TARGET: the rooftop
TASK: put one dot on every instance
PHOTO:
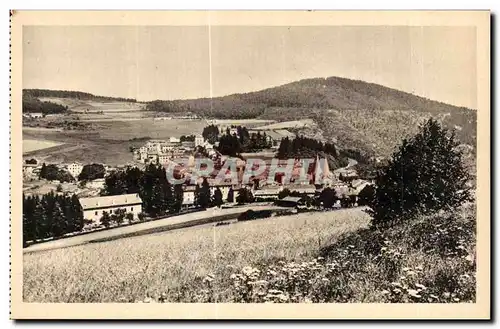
(109, 201)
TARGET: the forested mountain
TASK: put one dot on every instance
(355, 113)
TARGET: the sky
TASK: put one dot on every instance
(181, 62)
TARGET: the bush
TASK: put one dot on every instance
(130, 217)
(251, 215)
(244, 196)
(425, 175)
(141, 216)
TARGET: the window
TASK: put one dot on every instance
(96, 213)
(131, 208)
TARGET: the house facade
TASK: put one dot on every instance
(75, 169)
(94, 207)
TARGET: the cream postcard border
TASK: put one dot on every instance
(479, 310)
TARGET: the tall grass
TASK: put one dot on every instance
(173, 264)
(313, 257)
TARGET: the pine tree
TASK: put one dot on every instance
(178, 198)
(230, 195)
(425, 175)
(217, 199)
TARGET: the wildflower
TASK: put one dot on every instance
(456, 299)
(405, 269)
(446, 294)
(403, 278)
(271, 272)
(396, 284)
(325, 280)
(433, 296)
(275, 291)
(148, 300)
(419, 268)
(385, 292)
(413, 293)
(396, 290)
(307, 300)
(421, 286)
(283, 297)
(411, 273)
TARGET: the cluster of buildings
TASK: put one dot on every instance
(159, 151)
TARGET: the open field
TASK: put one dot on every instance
(160, 225)
(77, 105)
(288, 124)
(107, 141)
(30, 145)
(175, 262)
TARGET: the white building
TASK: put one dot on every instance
(75, 169)
(93, 208)
(198, 140)
(174, 140)
(188, 196)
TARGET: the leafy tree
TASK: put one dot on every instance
(244, 196)
(130, 217)
(366, 195)
(230, 195)
(141, 216)
(217, 199)
(92, 171)
(118, 216)
(424, 175)
(31, 161)
(328, 197)
(210, 133)
(59, 188)
(105, 219)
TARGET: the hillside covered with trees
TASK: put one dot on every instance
(38, 93)
(359, 115)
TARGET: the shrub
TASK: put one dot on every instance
(425, 175)
(130, 217)
(141, 216)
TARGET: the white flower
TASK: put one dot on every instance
(421, 286)
(413, 293)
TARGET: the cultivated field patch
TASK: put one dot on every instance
(30, 145)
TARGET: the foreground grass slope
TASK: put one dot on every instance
(315, 257)
(175, 263)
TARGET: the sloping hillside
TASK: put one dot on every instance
(357, 114)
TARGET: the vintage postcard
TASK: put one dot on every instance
(250, 165)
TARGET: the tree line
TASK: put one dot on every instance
(37, 93)
(158, 195)
(302, 146)
(34, 105)
(50, 215)
(236, 143)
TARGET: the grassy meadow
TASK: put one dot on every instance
(310, 257)
(175, 263)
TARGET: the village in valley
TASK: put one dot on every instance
(90, 182)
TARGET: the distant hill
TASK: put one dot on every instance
(356, 114)
(42, 93)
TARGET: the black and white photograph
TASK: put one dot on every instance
(266, 163)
